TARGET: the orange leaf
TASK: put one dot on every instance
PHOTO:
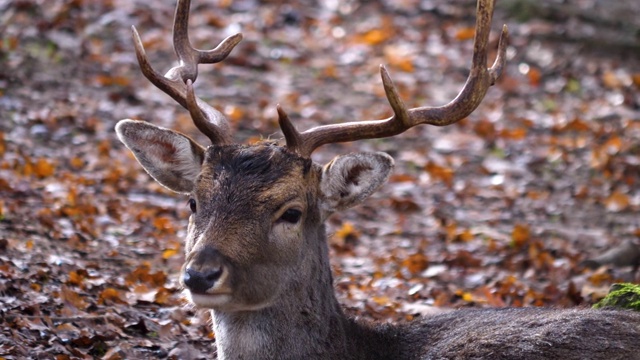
(534, 76)
(577, 125)
(395, 178)
(162, 296)
(465, 236)
(75, 278)
(514, 134)
(440, 172)
(43, 168)
(611, 80)
(169, 253)
(613, 145)
(374, 37)
(233, 113)
(398, 59)
(3, 145)
(520, 235)
(617, 201)
(163, 223)
(381, 300)
(466, 33)
(76, 163)
(106, 80)
(416, 263)
(599, 278)
(110, 295)
(346, 234)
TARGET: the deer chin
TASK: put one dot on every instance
(210, 301)
(223, 302)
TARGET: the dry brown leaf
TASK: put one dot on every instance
(534, 75)
(613, 145)
(395, 178)
(3, 145)
(416, 263)
(520, 235)
(76, 277)
(109, 296)
(617, 202)
(107, 80)
(514, 134)
(404, 205)
(611, 80)
(484, 129)
(72, 298)
(465, 236)
(43, 168)
(438, 172)
(577, 125)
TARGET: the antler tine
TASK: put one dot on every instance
(207, 119)
(291, 135)
(479, 80)
(189, 56)
(218, 134)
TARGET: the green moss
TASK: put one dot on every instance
(622, 296)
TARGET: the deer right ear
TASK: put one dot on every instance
(171, 158)
(347, 180)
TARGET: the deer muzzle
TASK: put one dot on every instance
(204, 272)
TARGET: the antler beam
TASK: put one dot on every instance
(178, 81)
(479, 80)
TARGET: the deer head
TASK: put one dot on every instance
(256, 231)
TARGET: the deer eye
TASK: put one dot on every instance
(192, 205)
(291, 216)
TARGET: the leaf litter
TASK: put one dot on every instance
(518, 205)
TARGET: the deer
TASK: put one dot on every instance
(256, 251)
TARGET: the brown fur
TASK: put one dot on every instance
(275, 299)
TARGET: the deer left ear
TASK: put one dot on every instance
(348, 180)
(171, 158)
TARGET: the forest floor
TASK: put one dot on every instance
(500, 209)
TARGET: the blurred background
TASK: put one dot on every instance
(509, 207)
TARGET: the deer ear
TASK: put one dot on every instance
(171, 158)
(348, 180)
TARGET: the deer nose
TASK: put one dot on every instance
(201, 281)
(202, 272)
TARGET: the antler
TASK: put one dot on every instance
(479, 80)
(178, 81)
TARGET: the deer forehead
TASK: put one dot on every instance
(254, 175)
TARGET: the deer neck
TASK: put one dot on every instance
(303, 321)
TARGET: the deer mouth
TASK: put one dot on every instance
(210, 301)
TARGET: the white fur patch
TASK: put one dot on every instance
(237, 338)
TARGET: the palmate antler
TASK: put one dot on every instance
(178, 81)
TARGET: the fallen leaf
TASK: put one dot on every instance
(520, 235)
(465, 33)
(617, 202)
